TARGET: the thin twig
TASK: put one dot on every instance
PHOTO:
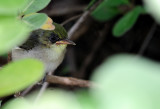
(82, 19)
(70, 19)
(147, 40)
(42, 90)
(68, 81)
(27, 90)
(76, 26)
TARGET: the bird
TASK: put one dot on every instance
(48, 46)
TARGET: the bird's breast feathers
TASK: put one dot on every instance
(51, 57)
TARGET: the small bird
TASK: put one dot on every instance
(49, 46)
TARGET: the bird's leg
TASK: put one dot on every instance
(43, 88)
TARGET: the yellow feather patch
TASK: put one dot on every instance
(48, 25)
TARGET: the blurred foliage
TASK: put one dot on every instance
(35, 20)
(128, 81)
(13, 31)
(103, 12)
(9, 35)
(10, 7)
(127, 21)
(15, 76)
(92, 2)
(125, 81)
(34, 6)
(153, 7)
(108, 9)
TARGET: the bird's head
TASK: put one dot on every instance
(56, 38)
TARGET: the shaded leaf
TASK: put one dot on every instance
(127, 21)
(35, 20)
(103, 13)
(91, 3)
(116, 3)
(16, 75)
(12, 33)
(35, 6)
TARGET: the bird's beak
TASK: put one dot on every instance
(65, 41)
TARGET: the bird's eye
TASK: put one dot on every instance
(53, 38)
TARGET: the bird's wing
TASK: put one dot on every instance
(31, 42)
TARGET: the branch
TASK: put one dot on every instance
(148, 39)
(68, 81)
(70, 19)
(81, 20)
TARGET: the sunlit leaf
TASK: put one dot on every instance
(10, 6)
(49, 100)
(35, 20)
(128, 81)
(35, 6)
(12, 33)
(127, 21)
(19, 74)
(17, 103)
(153, 7)
(86, 100)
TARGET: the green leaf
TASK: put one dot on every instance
(128, 81)
(16, 103)
(103, 13)
(86, 100)
(91, 4)
(127, 21)
(16, 75)
(10, 6)
(153, 7)
(35, 6)
(116, 3)
(35, 20)
(12, 33)
(52, 99)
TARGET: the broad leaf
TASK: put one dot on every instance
(52, 99)
(127, 21)
(16, 75)
(153, 7)
(129, 82)
(103, 12)
(35, 6)
(116, 3)
(35, 20)
(10, 6)
(12, 33)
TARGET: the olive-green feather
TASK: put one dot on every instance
(32, 40)
(41, 36)
(62, 33)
